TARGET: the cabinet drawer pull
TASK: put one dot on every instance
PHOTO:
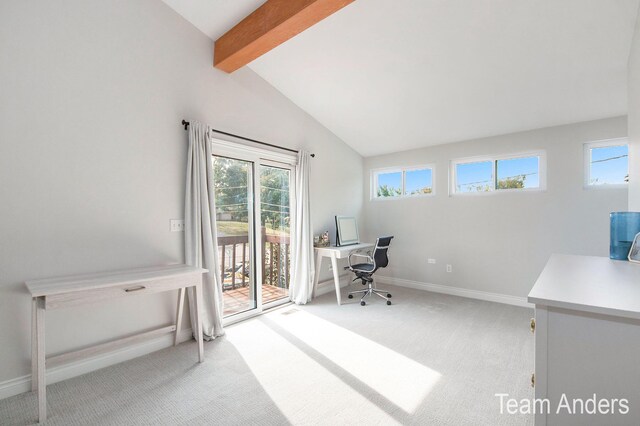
(532, 325)
(129, 290)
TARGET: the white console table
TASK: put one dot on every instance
(335, 253)
(62, 292)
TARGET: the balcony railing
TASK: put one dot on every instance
(234, 261)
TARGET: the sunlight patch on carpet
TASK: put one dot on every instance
(284, 370)
(401, 380)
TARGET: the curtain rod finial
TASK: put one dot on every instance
(313, 155)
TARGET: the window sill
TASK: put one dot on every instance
(402, 197)
(605, 187)
(497, 191)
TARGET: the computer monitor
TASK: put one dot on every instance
(346, 231)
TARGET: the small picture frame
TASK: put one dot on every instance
(321, 240)
(325, 238)
(634, 253)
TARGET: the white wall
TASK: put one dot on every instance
(497, 243)
(92, 154)
(634, 120)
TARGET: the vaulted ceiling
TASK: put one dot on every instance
(388, 75)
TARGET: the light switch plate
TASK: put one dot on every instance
(177, 225)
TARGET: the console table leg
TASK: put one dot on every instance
(179, 314)
(34, 345)
(42, 384)
(199, 322)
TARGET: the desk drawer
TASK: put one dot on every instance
(83, 297)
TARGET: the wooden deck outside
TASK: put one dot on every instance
(238, 299)
(234, 252)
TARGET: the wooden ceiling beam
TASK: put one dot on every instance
(270, 25)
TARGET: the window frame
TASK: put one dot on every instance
(587, 146)
(542, 172)
(402, 170)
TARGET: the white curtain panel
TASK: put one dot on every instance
(200, 239)
(301, 287)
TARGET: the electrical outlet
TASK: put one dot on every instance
(176, 225)
(431, 261)
(449, 268)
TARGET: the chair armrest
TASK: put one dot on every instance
(369, 258)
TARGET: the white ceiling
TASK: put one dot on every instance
(388, 75)
(214, 17)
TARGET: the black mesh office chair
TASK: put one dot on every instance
(365, 271)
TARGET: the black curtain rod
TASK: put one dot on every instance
(186, 126)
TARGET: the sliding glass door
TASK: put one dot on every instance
(234, 218)
(275, 209)
(254, 197)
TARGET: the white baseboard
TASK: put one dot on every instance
(22, 384)
(457, 291)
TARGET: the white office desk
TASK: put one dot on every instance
(77, 290)
(335, 253)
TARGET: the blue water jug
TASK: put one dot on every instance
(624, 227)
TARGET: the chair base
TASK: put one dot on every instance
(370, 290)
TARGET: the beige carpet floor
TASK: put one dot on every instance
(427, 359)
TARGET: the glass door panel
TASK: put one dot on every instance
(234, 224)
(275, 220)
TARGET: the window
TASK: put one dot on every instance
(402, 182)
(606, 163)
(418, 182)
(498, 174)
(389, 184)
(517, 173)
(474, 177)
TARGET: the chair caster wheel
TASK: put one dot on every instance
(388, 295)
(388, 302)
(362, 303)
(351, 296)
